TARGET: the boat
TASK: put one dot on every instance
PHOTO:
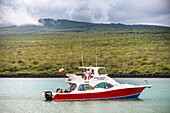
(94, 86)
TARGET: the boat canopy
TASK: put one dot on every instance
(93, 70)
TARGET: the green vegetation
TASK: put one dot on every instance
(120, 51)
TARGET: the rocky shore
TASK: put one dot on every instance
(64, 76)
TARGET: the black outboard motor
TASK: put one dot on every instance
(48, 95)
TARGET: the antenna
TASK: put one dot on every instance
(96, 56)
(82, 58)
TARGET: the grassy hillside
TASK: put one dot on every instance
(120, 51)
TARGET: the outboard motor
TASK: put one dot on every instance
(48, 95)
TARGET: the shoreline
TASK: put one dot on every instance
(64, 76)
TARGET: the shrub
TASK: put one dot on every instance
(135, 72)
(35, 62)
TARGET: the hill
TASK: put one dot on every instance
(52, 25)
(70, 24)
(122, 49)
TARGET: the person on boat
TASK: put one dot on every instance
(85, 76)
(90, 73)
(58, 89)
(66, 91)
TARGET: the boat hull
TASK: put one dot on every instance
(106, 95)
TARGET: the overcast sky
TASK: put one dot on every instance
(19, 12)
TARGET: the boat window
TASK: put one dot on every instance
(73, 87)
(84, 87)
(108, 85)
(88, 87)
(81, 87)
(104, 85)
(100, 85)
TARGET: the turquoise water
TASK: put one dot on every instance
(23, 95)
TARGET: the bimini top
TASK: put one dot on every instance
(92, 70)
(90, 76)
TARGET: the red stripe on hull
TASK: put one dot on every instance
(108, 94)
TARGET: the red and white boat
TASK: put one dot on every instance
(94, 86)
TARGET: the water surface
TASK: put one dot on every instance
(23, 95)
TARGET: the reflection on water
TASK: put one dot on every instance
(23, 95)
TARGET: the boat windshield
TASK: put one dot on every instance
(73, 87)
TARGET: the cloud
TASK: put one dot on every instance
(142, 11)
(16, 12)
(100, 11)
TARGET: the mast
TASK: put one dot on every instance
(82, 58)
(96, 56)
